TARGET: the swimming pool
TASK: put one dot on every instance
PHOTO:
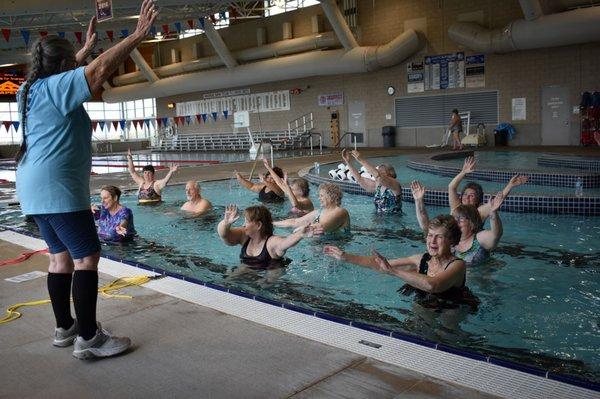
(539, 294)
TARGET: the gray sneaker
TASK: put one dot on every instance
(100, 345)
(64, 338)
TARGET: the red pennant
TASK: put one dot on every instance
(213, 19)
(6, 34)
(110, 35)
(199, 118)
(190, 23)
(94, 125)
(182, 120)
(115, 124)
(139, 123)
(78, 36)
(7, 125)
(159, 122)
(43, 33)
(165, 29)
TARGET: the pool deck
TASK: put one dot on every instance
(182, 349)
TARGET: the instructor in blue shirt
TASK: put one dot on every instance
(53, 176)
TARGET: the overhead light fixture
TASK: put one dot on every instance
(8, 65)
(171, 105)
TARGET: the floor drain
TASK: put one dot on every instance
(369, 343)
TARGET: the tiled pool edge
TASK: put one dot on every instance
(546, 375)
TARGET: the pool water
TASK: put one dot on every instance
(485, 160)
(539, 293)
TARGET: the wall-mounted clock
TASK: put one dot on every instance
(391, 90)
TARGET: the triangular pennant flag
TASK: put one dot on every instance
(139, 123)
(165, 121)
(6, 34)
(115, 124)
(7, 125)
(61, 34)
(127, 125)
(110, 35)
(78, 36)
(16, 125)
(124, 33)
(165, 29)
(178, 26)
(190, 23)
(201, 20)
(215, 115)
(176, 120)
(102, 124)
(188, 119)
(199, 118)
(204, 118)
(212, 19)
(25, 34)
(122, 124)
(94, 125)
(225, 113)
(153, 31)
(159, 122)
(43, 33)
(181, 120)
(147, 123)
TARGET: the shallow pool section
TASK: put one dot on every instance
(539, 293)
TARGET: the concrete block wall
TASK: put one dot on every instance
(513, 75)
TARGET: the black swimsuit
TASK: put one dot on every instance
(270, 196)
(263, 259)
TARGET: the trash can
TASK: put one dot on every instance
(501, 138)
(389, 136)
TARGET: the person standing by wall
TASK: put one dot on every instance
(53, 176)
(456, 128)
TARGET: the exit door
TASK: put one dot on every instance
(356, 121)
(556, 116)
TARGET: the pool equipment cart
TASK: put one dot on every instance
(476, 139)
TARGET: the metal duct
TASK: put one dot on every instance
(341, 29)
(276, 49)
(315, 63)
(531, 9)
(219, 45)
(565, 28)
(141, 63)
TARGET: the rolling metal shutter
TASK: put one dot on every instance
(435, 110)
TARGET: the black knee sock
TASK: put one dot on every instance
(59, 288)
(85, 294)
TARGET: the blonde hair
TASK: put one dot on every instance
(333, 192)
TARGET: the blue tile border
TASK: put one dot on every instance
(570, 162)
(363, 326)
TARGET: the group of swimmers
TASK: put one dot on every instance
(453, 242)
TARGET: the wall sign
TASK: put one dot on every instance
(228, 93)
(9, 83)
(475, 71)
(258, 102)
(415, 77)
(519, 109)
(331, 99)
(104, 10)
(446, 71)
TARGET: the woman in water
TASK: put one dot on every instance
(475, 243)
(472, 194)
(53, 175)
(437, 271)
(388, 192)
(260, 247)
(331, 217)
(297, 191)
(149, 191)
(115, 221)
(267, 189)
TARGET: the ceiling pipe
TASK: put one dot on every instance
(219, 45)
(532, 9)
(562, 29)
(145, 69)
(315, 63)
(284, 47)
(339, 25)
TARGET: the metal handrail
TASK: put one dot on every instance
(302, 126)
(351, 134)
(311, 134)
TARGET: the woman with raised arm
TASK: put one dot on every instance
(331, 217)
(267, 189)
(437, 271)
(475, 243)
(297, 191)
(53, 175)
(149, 189)
(387, 189)
(260, 247)
(472, 194)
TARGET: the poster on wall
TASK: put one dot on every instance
(10, 83)
(332, 99)
(446, 71)
(104, 10)
(519, 109)
(475, 71)
(415, 77)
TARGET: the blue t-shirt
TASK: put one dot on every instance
(54, 174)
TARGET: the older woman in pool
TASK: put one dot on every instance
(297, 191)
(475, 243)
(387, 189)
(267, 189)
(437, 271)
(115, 221)
(472, 194)
(260, 247)
(331, 217)
(149, 189)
